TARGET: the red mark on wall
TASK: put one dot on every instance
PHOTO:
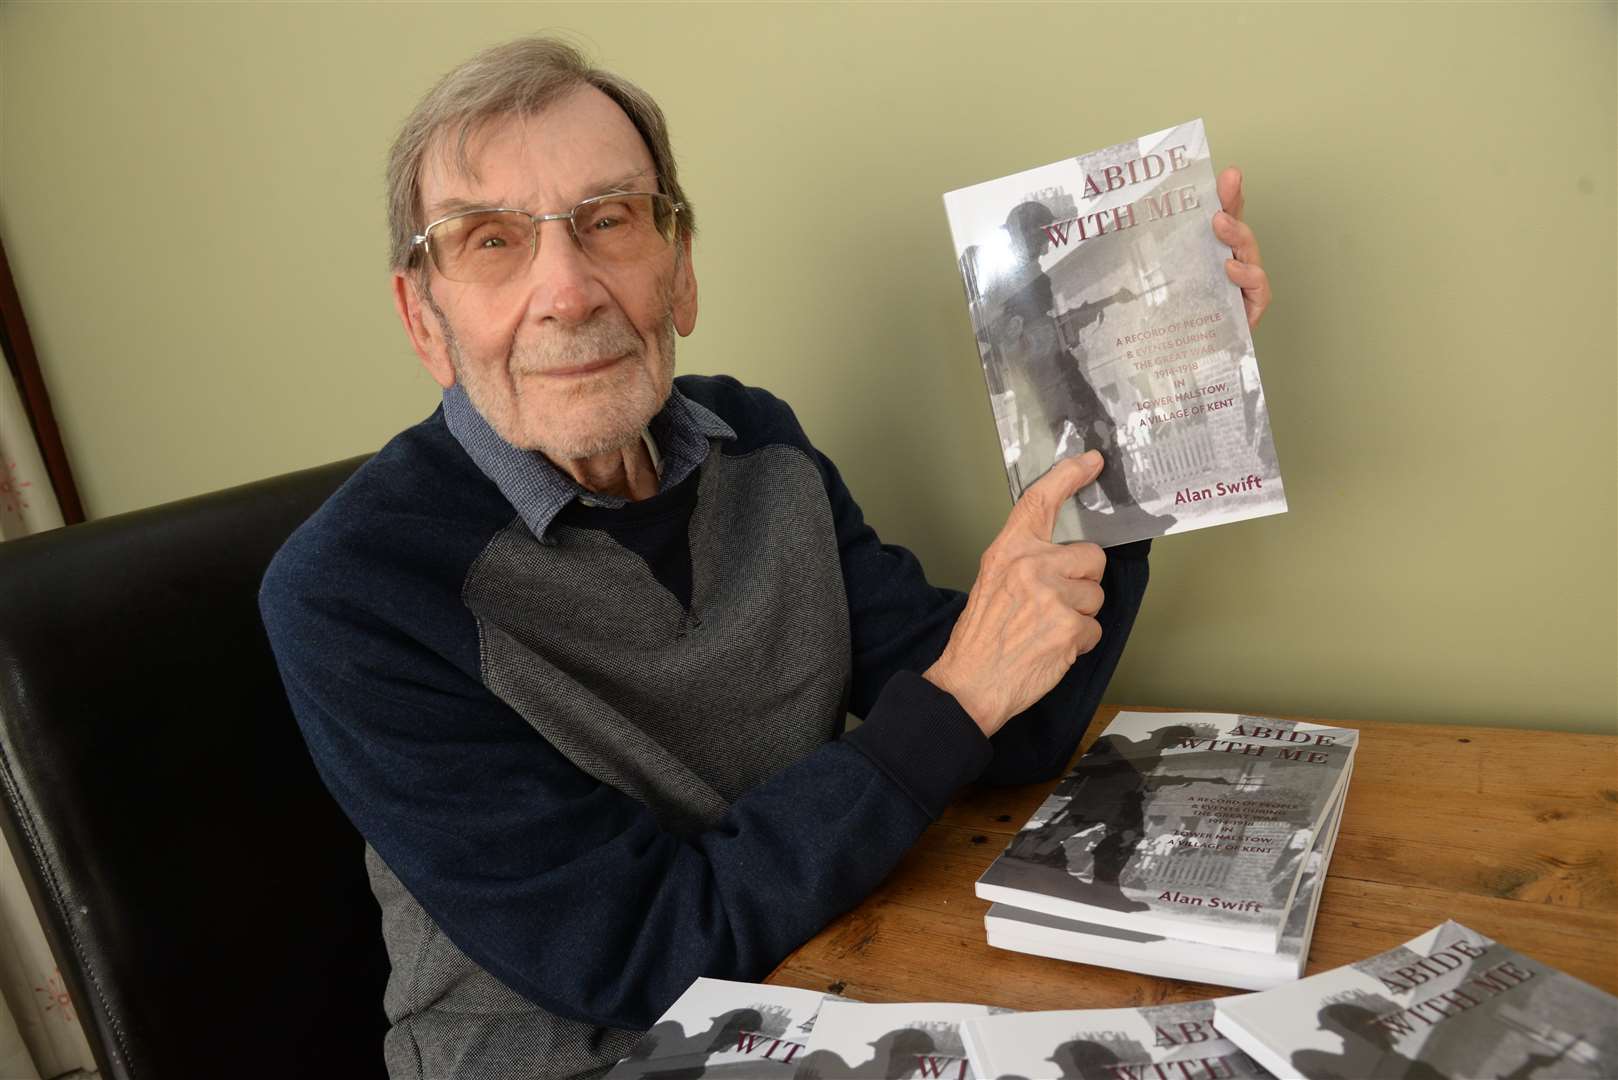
(56, 996)
(13, 499)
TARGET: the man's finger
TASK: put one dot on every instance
(1084, 560)
(1035, 513)
(1255, 286)
(1229, 184)
(1083, 595)
(1237, 236)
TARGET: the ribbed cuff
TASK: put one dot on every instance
(1137, 549)
(922, 739)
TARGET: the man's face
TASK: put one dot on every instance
(567, 358)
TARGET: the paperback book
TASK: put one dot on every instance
(1104, 320)
(1193, 826)
(1450, 1003)
(851, 1039)
(1091, 943)
(723, 1028)
(1160, 1042)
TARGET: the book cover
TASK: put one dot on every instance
(1104, 320)
(1450, 1003)
(923, 1039)
(1186, 825)
(1091, 943)
(723, 1028)
(1159, 1042)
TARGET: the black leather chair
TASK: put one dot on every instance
(205, 898)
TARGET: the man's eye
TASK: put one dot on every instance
(605, 222)
(491, 242)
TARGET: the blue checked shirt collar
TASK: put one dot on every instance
(538, 490)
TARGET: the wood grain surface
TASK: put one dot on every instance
(1511, 832)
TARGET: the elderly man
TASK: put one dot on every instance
(575, 652)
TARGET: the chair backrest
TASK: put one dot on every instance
(205, 898)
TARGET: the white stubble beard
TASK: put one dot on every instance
(635, 395)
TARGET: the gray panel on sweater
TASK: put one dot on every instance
(683, 711)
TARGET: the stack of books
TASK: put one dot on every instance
(1184, 845)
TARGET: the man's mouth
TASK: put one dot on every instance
(589, 367)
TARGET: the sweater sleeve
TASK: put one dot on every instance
(564, 888)
(899, 622)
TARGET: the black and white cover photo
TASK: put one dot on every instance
(724, 1028)
(890, 1042)
(1158, 1042)
(1190, 825)
(1104, 320)
(1045, 934)
(1450, 1003)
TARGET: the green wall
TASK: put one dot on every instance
(191, 198)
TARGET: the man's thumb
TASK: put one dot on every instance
(1036, 511)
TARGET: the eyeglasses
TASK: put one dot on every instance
(489, 247)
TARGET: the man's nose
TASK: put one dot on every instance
(564, 282)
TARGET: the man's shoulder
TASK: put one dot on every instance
(418, 510)
(758, 417)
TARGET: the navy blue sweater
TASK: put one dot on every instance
(590, 882)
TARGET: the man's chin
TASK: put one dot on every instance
(597, 414)
(585, 429)
(562, 447)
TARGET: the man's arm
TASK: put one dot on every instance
(566, 889)
(901, 622)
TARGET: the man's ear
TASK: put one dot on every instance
(685, 289)
(421, 324)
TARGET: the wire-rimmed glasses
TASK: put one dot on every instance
(488, 247)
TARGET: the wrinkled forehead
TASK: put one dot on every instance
(582, 144)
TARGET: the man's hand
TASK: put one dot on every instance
(1245, 269)
(1031, 612)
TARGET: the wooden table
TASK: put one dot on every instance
(1513, 833)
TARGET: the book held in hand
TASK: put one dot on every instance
(1450, 1003)
(1159, 1042)
(1105, 320)
(1173, 958)
(1194, 826)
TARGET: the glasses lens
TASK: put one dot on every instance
(624, 228)
(484, 248)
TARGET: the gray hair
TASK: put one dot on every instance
(518, 78)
